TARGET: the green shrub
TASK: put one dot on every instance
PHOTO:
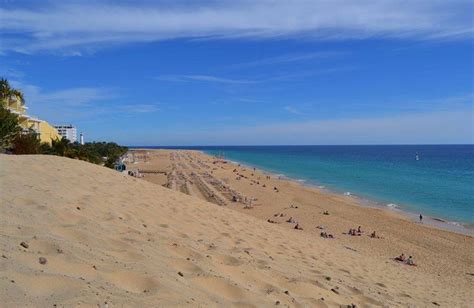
(26, 144)
(9, 128)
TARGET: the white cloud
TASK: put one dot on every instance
(67, 97)
(203, 78)
(411, 128)
(224, 80)
(65, 105)
(288, 58)
(67, 26)
(139, 108)
(292, 110)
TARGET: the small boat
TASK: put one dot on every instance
(417, 157)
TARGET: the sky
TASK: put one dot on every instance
(246, 72)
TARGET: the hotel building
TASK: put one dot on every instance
(45, 132)
(67, 131)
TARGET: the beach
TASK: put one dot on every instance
(74, 233)
(442, 253)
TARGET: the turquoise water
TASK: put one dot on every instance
(439, 184)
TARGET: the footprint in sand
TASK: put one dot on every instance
(220, 287)
(131, 282)
(186, 266)
(228, 260)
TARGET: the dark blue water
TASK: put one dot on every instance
(440, 183)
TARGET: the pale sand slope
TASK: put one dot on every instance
(116, 239)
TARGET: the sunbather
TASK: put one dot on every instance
(410, 261)
(401, 258)
(297, 227)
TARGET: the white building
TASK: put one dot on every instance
(67, 131)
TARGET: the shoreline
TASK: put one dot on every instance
(430, 221)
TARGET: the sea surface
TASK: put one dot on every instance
(440, 183)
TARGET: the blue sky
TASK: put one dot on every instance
(245, 72)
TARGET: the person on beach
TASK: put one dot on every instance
(410, 261)
(401, 258)
(324, 234)
(421, 218)
(297, 227)
(374, 235)
(359, 230)
(353, 232)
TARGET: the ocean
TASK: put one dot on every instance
(435, 180)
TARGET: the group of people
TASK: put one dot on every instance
(355, 232)
(403, 259)
(374, 235)
(324, 234)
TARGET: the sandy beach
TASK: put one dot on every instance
(438, 252)
(74, 233)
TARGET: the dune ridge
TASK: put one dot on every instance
(112, 240)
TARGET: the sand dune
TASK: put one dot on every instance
(110, 239)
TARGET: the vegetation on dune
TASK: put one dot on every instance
(9, 128)
(19, 140)
(26, 143)
(5, 89)
(106, 153)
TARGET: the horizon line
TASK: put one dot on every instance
(273, 145)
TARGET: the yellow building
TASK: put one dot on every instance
(46, 132)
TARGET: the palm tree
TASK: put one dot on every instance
(18, 94)
(6, 91)
(61, 147)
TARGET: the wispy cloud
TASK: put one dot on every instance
(203, 78)
(411, 128)
(139, 108)
(79, 104)
(261, 79)
(248, 100)
(68, 97)
(60, 25)
(293, 110)
(288, 58)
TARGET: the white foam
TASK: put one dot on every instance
(392, 205)
(347, 193)
(457, 224)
